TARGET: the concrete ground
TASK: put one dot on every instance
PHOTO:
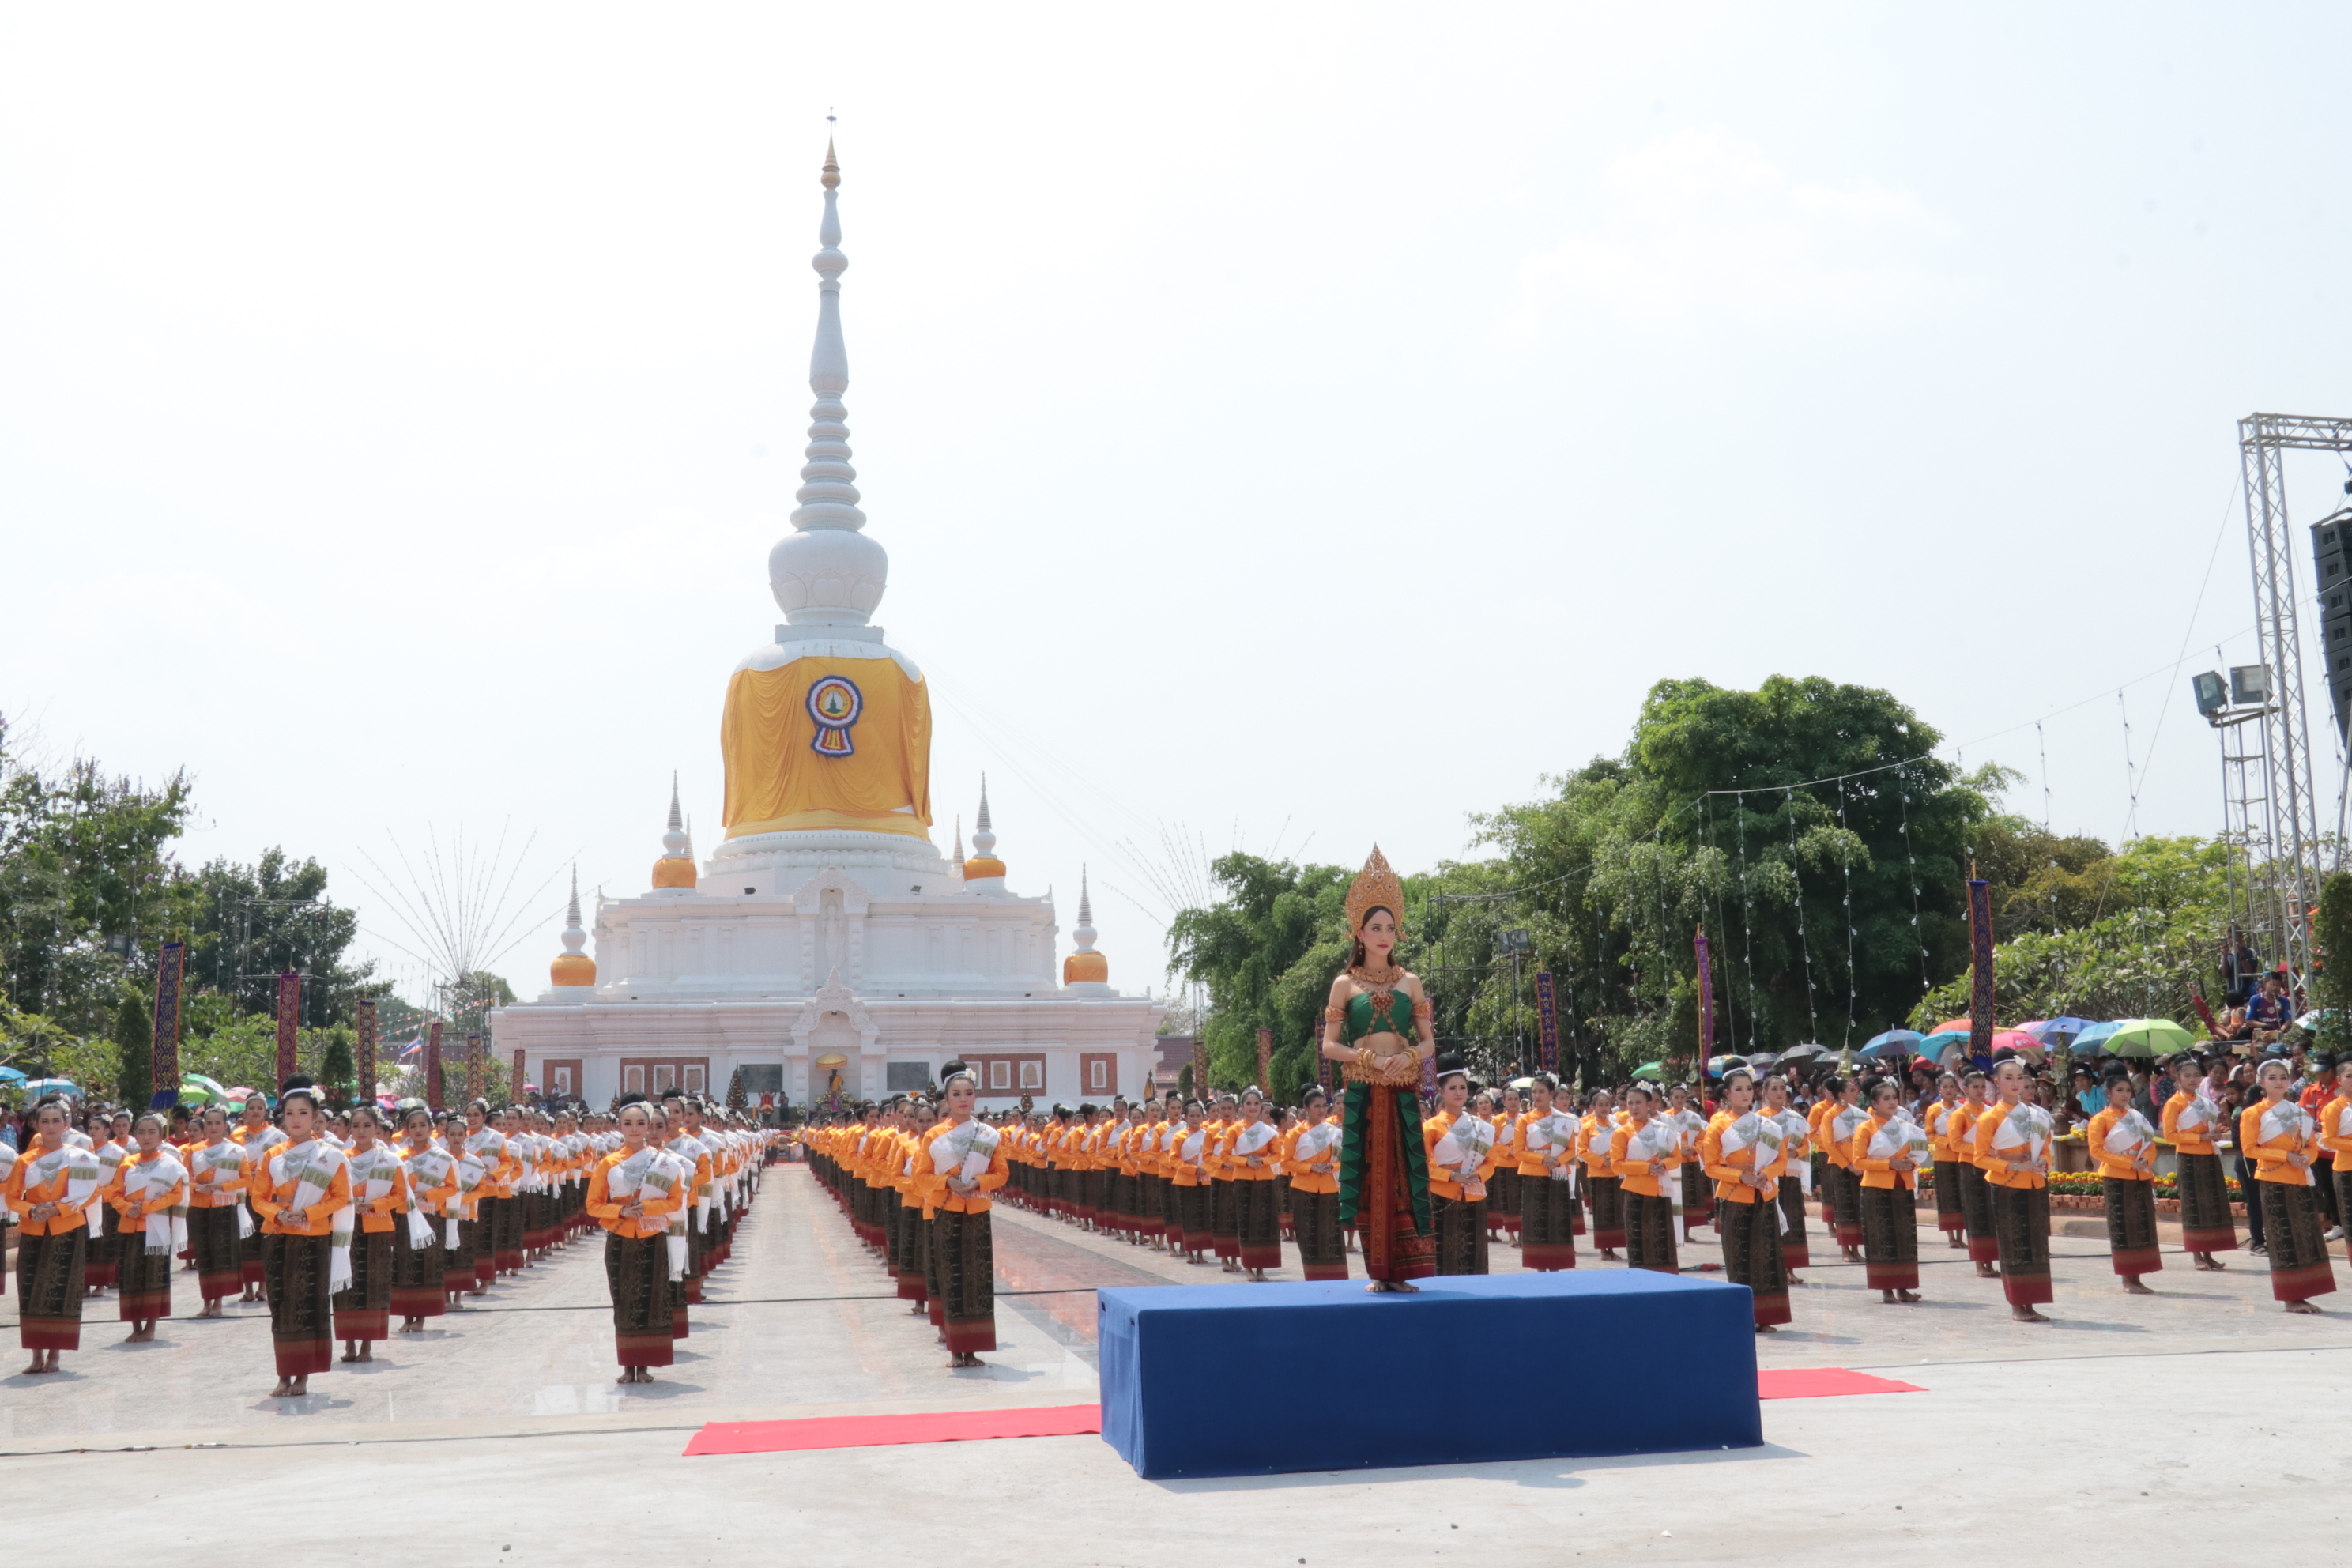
(2172, 1421)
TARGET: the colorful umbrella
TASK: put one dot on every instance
(65, 1086)
(1906, 1041)
(2058, 1032)
(2017, 1040)
(1948, 1025)
(2148, 1038)
(2090, 1041)
(10, 1075)
(1648, 1072)
(1933, 1046)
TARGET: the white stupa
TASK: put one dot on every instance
(826, 947)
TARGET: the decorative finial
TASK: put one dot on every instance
(572, 966)
(1085, 968)
(1085, 934)
(959, 838)
(674, 841)
(983, 841)
(573, 937)
(828, 572)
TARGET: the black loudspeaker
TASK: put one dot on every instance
(2331, 552)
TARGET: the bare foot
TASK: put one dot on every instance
(2306, 1309)
(38, 1367)
(1908, 1297)
(2210, 1263)
(2027, 1315)
(367, 1352)
(1794, 1281)
(1766, 1329)
(1985, 1271)
(2132, 1287)
(212, 1309)
(284, 1389)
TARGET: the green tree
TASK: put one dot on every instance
(250, 923)
(1267, 953)
(135, 1045)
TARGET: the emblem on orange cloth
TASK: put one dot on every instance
(834, 702)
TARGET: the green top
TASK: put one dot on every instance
(1363, 1020)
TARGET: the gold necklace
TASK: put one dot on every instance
(1382, 978)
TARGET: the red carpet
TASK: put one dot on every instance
(883, 1431)
(1818, 1382)
(1078, 1420)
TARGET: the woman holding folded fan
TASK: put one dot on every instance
(302, 1191)
(1314, 1162)
(150, 1194)
(2282, 1141)
(631, 1192)
(1250, 1161)
(965, 1161)
(1191, 1177)
(419, 1275)
(380, 1199)
(52, 1188)
(1547, 1151)
(1460, 1150)
(2120, 1139)
(2012, 1144)
(1888, 1150)
(1640, 1152)
(1745, 1150)
(216, 1216)
(2192, 1120)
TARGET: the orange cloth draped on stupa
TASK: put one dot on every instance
(788, 769)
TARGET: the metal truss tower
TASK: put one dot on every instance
(2290, 802)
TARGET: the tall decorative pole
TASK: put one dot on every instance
(366, 1063)
(433, 1096)
(1548, 1019)
(1264, 1058)
(473, 1068)
(514, 1084)
(1706, 1007)
(290, 1010)
(164, 1054)
(1979, 967)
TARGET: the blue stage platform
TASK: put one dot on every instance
(1239, 1380)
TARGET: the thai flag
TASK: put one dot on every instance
(413, 1055)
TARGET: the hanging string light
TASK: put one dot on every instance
(1746, 935)
(1723, 925)
(1804, 941)
(1911, 860)
(1845, 869)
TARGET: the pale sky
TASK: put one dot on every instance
(1297, 425)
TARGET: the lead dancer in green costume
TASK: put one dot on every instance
(1378, 1023)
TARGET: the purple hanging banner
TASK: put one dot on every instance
(1200, 1067)
(1980, 969)
(366, 1063)
(289, 1011)
(1548, 1020)
(1322, 1063)
(165, 1054)
(1706, 1004)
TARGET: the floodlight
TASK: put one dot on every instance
(2212, 696)
(2250, 684)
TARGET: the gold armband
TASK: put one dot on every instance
(1335, 1014)
(1421, 1008)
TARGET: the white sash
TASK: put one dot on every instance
(1252, 1140)
(2130, 1134)
(145, 1179)
(313, 1174)
(964, 1150)
(84, 1175)
(2286, 1117)
(1314, 1141)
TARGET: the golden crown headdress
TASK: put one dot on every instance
(1375, 888)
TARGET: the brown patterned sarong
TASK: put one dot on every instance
(363, 1307)
(294, 1276)
(1192, 1218)
(2206, 1223)
(2296, 1235)
(636, 1271)
(1608, 1195)
(1322, 1255)
(1258, 1222)
(506, 1222)
(50, 1281)
(212, 1237)
(2021, 1225)
(1699, 1196)
(1224, 1218)
(1461, 1234)
(1547, 1224)
(1976, 1210)
(457, 1262)
(249, 1246)
(142, 1280)
(1752, 1256)
(418, 1272)
(1950, 1218)
(1844, 1197)
(1890, 1238)
(99, 1266)
(2131, 1226)
(1505, 1201)
(1650, 1233)
(965, 1246)
(1796, 1249)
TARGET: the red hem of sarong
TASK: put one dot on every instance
(420, 1303)
(301, 1358)
(1546, 1257)
(215, 1287)
(694, 1290)
(679, 1327)
(970, 1339)
(145, 1307)
(1396, 1273)
(1773, 1310)
(2027, 1291)
(248, 1274)
(1888, 1276)
(363, 1325)
(48, 1334)
(1324, 1270)
(639, 1350)
(1983, 1249)
(2209, 1241)
(2303, 1284)
(2139, 1260)
(1609, 1240)
(911, 1290)
(1796, 1255)
(1262, 1257)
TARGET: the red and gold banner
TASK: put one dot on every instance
(473, 1069)
(366, 1063)
(432, 1065)
(1548, 1019)
(1264, 1059)
(1980, 967)
(1200, 1067)
(514, 1084)
(290, 1014)
(165, 1054)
